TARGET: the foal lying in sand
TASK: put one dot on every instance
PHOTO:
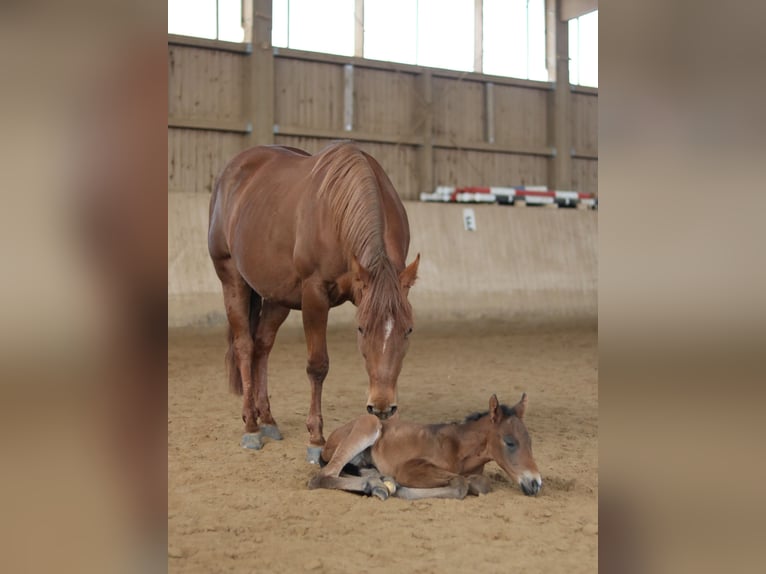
(412, 461)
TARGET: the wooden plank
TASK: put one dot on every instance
(521, 116)
(301, 131)
(586, 90)
(449, 143)
(575, 8)
(220, 45)
(289, 53)
(205, 83)
(233, 126)
(386, 102)
(426, 152)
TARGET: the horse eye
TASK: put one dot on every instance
(409, 332)
(361, 331)
(509, 442)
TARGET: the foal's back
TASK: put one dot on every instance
(402, 441)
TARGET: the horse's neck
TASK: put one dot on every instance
(472, 440)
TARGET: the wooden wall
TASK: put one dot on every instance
(427, 127)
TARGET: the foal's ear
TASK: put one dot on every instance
(521, 406)
(494, 409)
(361, 275)
(410, 273)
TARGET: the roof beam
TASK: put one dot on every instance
(571, 9)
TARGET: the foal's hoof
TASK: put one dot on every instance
(271, 431)
(252, 441)
(380, 491)
(313, 453)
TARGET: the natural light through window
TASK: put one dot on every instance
(384, 19)
(514, 38)
(198, 18)
(583, 50)
(424, 32)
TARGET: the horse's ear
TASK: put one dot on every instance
(361, 274)
(494, 409)
(521, 406)
(410, 273)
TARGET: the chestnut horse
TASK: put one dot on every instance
(414, 461)
(289, 230)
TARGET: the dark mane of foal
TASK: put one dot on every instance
(505, 409)
(351, 188)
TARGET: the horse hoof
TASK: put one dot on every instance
(313, 453)
(380, 491)
(271, 431)
(252, 441)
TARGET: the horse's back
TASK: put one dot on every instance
(248, 179)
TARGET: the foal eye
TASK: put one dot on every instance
(509, 442)
(409, 332)
(361, 331)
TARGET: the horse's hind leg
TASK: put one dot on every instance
(355, 438)
(272, 317)
(419, 478)
(237, 298)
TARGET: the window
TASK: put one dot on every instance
(215, 19)
(425, 32)
(313, 25)
(390, 30)
(514, 39)
(583, 50)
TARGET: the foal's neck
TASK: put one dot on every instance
(472, 437)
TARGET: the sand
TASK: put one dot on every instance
(233, 510)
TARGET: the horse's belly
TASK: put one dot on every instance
(272, 280)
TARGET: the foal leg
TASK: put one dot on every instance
(419, 478)
(315, 307)
(272, 317)
(345, 445)
(237, 296)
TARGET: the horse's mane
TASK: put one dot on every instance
(350, 187)
(506, 410)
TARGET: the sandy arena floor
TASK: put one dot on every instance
(233, 510)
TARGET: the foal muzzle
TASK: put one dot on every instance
(531, 486)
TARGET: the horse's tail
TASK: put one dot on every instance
(235, 377)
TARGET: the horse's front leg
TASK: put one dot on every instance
(315, 307)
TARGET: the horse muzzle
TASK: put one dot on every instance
(531, 485)
(382, 414)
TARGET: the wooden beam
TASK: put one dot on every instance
(426, 152)
(234, 126)
(259, 72)
(301, 131)
(408, 68)
(489, 112)
(560, 173)
(348, 97)
(575, 8)
(220, 45)
(359, 28)
(478, 35)
(448, 143)
(550, 38)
